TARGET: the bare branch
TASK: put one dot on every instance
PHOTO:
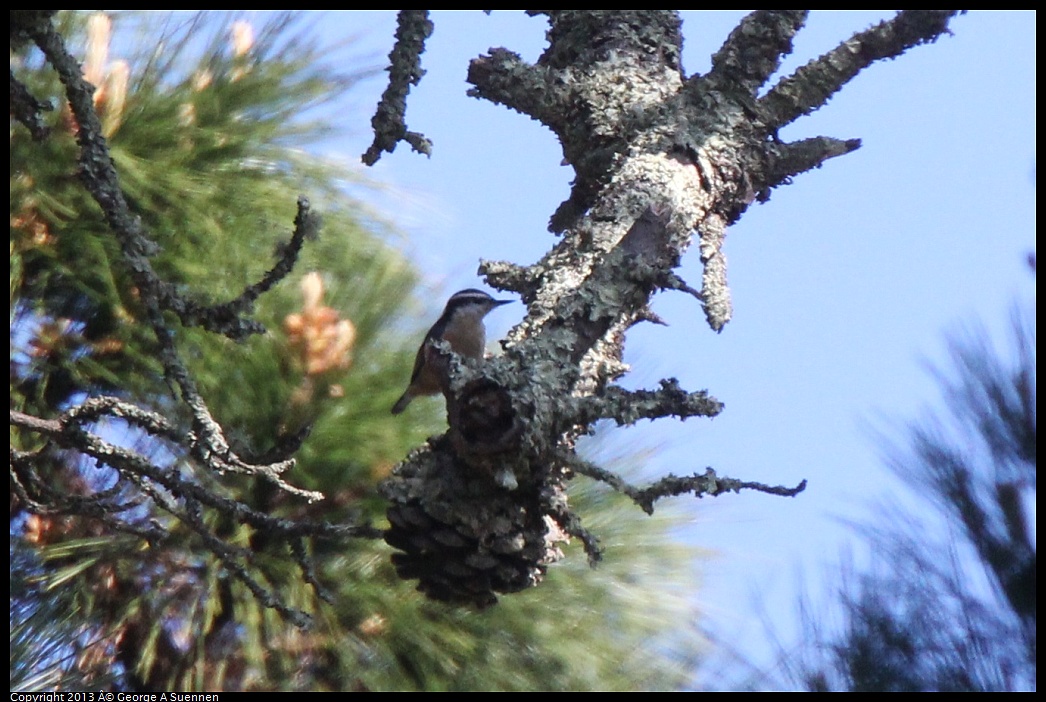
(629, 406)
(168, 488)
(308, 570)
(97, 171)
(671, 281)
(715, 290)
(102, 182)
(807, 154)
(505, 275)
(389, 121)
(810, 87)
(707, 483)
(226, 318)
(498, 77)
(68, 432)
(570, 522)
(26, 109)
(754, 49)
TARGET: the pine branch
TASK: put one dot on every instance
(179, 496)
(184, 498)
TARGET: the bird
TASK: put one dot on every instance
(460, 325)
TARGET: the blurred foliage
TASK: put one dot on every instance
(48, 634)
(208, 121)
(952, 607)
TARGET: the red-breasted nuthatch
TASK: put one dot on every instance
(460, 325)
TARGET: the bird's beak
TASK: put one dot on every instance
(498, 303)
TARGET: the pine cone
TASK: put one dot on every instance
(463, 536)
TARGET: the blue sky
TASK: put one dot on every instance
(844, 284)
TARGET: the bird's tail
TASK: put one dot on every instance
(401, 404)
